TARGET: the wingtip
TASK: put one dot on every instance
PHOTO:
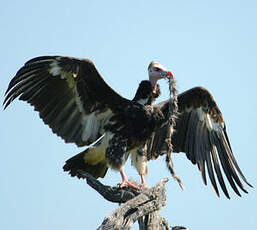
(6, 103)
(250, 185)
(228, 197)
(247, 183)
(244, 189)
(226, 193)
(216, 190)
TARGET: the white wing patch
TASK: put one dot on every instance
(93, 122)
(104, 117)
(214, 125)
(209, 122)
(205, 118)
(55, 69)
(201, 114)
(91, 127)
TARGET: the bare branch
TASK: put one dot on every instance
(113, 194)
(142, 206)
(145, 203)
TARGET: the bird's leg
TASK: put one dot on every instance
(125, 181)
(141, 163)
(143, 181)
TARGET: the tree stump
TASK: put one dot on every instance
(135, 205)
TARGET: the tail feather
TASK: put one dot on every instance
(82, 161)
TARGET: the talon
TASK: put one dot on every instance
(127, 183)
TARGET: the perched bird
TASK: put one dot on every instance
(74, 100)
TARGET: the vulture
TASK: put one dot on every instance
(79, 106)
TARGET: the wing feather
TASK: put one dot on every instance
(70, 95)
(218, 171)
(211, 174)
(190, 147)
(199, 132)
(199, 149)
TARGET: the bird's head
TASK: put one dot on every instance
(156, 72)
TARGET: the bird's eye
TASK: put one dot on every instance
(157, 69)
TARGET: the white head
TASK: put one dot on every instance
(156, 71)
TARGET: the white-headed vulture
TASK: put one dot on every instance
(80, 107)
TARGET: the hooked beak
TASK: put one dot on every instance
(167, 74)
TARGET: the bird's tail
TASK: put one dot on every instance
(92, 160)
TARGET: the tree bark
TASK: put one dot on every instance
(136, 205)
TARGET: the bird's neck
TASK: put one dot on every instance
(146, 94)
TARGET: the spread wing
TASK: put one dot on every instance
(70, 95)
(200, 132)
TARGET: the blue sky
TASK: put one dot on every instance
(207, 43)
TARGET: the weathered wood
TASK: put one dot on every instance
(113, 194)
(153, 221)
(142, 206)
(127, 214)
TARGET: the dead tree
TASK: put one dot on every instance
(142, 206)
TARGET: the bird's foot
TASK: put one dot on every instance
(128, 183)
(125, 181)
(144, 185)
